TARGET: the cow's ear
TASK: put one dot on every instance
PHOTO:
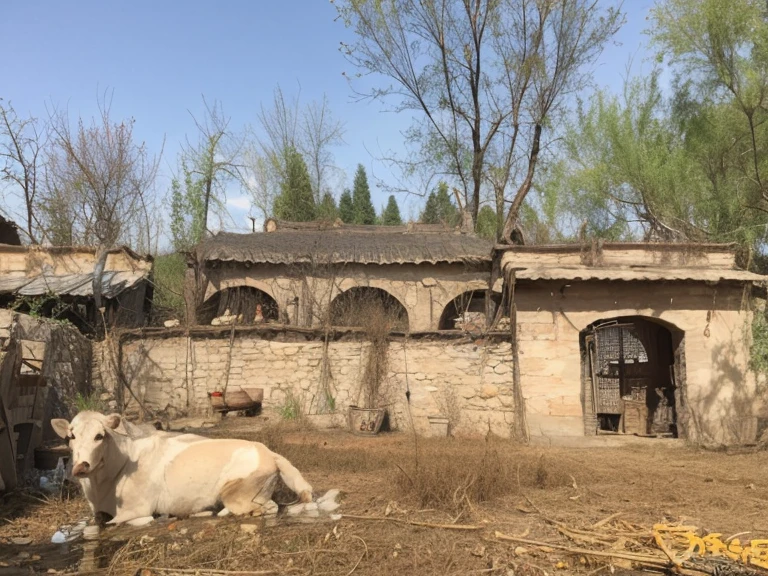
(115, 422)
(60, 426)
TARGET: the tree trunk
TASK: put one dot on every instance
(208, 186)
(514, 210)
(98, 275)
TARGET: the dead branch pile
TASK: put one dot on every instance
(680, 549)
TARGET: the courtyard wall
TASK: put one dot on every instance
(467, 381)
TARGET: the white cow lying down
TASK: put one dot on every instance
(130, 473)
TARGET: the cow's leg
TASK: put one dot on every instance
(293, 479)
(141, 521)
(139, 512)
(130, 516)
(250, 495)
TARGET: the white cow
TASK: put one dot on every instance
(133, 430)
(131, 478)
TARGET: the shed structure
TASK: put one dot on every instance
(69, 274)
(634, 338)
(306, 273)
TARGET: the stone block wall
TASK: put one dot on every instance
(713, 323)
(424, 290)
(65, 362)
(470, 383)
(43, 366)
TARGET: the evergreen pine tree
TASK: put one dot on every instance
(390, 216)
(327, 209)
(295, 201)
(487, 223)
(346, 207)
(440, 209)
(365, 213)
(429, 215)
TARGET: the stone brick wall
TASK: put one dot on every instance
(713, 320)
(66, 365)
(425, 290)
(43, 366)
(468, 383)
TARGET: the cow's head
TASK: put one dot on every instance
(89, 436)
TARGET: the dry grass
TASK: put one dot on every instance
(491, 483)
(449, 477)
(33, 515)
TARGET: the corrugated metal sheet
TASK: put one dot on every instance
(343, 246)
(534, 272)
(13, 283)
(70, 284)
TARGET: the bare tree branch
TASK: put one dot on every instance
(285, 126)
(98, 182)
(21, 145)
(214, 159)
(484, 77)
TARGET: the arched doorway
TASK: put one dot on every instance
(470, 311)
(245, 300)
(363, 305)
(633, 376)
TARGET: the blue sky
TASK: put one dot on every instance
(161, 57)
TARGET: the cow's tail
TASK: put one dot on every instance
(293, 479)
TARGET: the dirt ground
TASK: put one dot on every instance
(392, 481)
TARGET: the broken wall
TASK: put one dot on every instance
(470, 383)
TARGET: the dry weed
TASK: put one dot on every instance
(450, 407)
(450, 477)
(312, 454)
(29, 515)
(212, 545)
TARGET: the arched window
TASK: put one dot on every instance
(468, 311)
(363, 306)
(255, 305)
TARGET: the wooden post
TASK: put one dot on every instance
(521, 424)
(190, 296)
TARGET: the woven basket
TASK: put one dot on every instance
(365, 421)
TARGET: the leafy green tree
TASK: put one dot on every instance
(689, 167)
(327, 209)
(346, 207)
(168, 273)
(429, 214)
(365, 213)
(295, 201)
(645, 168)
(721, 48)
(187, 210)
(212, 160)
(487, 223)
(390, 216)
(440, 209)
